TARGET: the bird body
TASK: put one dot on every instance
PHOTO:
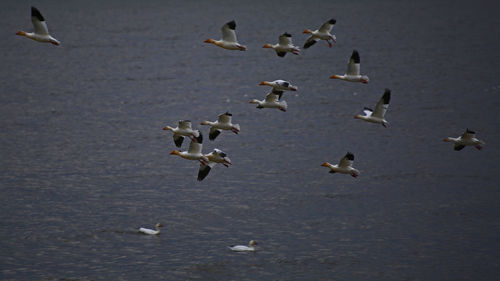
(41, 32)
(242, 248)
(148, 231)
(194, 151)
(228, 40)
(344, 166)
(217, 156)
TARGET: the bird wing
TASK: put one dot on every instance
(38, 22)
(285, 39)
(184, 124)
(204, 170)
(213, 133)
(382, 104)
(220, 152)
(353, 66)
(368, 111)
(225, 117)
(279, 93)
(327, 26)
(347, 160)
(195, 147)
(271, 97)
(178, 139)
(468, 134)
(228, 31)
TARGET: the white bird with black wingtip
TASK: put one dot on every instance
(284, 45)
(217, 156)
(344, 166)
(194, 151)
(182, 130)
(224, 122)
(279, 86)
(377, 115)
(323, 33)
(353, 73)
(41, 32)
(228, 40)
(467, 138)
(271, 101)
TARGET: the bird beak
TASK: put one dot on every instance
(324, 164)
(334, 77)
(263, 83)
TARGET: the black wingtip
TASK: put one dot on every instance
(231, 25)
(349, 156)
(355, 56)
(309, 44)
(228, 114)
(178, 141)
(281, 54)
(469, 131)
(203, 172)
(332, 21)
(213, 135)
(199, 139)
(36, 13)
(367, 108)
(387, 96)
(287, 34)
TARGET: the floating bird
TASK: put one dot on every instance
(467, 138)
(156, 231)
(344, 166)
(214, 157)
(41, 33)
(323, 33)
(271, 101)
(279, 86)
(194, 151)
(377, 115)
(353, 70)
(223, 123)
(285, 45)
(228, 40)
(183, 129)
(242, 248)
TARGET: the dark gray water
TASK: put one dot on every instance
(84, 160)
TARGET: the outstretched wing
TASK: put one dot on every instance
(327, 26)
(38, 22)
(228, 31)
(310, 41)
(285, 39)
(204, 170)
(213, 133)
(178, 139)
(225, 117)
(353, 67)
(382, 104)
(347, 160)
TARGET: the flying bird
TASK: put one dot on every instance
(182, 130)
(228, 40)
(194, 151)
(377, 115)
(353, 70)
(284, 45)
(217, 156)
(41, 33)
(279, 86)
(467, 138)
(271, 101)
(223, 123)
(323, 33)
(344, 166)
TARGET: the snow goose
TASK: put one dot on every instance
(353, 70)
(377, 115)
(344, 166)
(284, 45)
(155, 231)
(223, 123)
(467, 138)
(228, 40)
(214, 157)
(242, 248)
(194, 150)
(41, 33)
(182, 129)
(323, 33)
(271, 101)
(279, 86)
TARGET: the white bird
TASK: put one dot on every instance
(41, 33)
(323, 33)
(467, 138)
(344, 166)
(183, 129)
(279, 86)
(214, 157)
(242, 248)
(271, 101)
(228, 40)
(377, 115)
(194, 151)
(155, 231)
(353, 70)
(284, 45)
(223, 123)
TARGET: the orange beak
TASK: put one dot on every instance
(333, 77)
(263, 83)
